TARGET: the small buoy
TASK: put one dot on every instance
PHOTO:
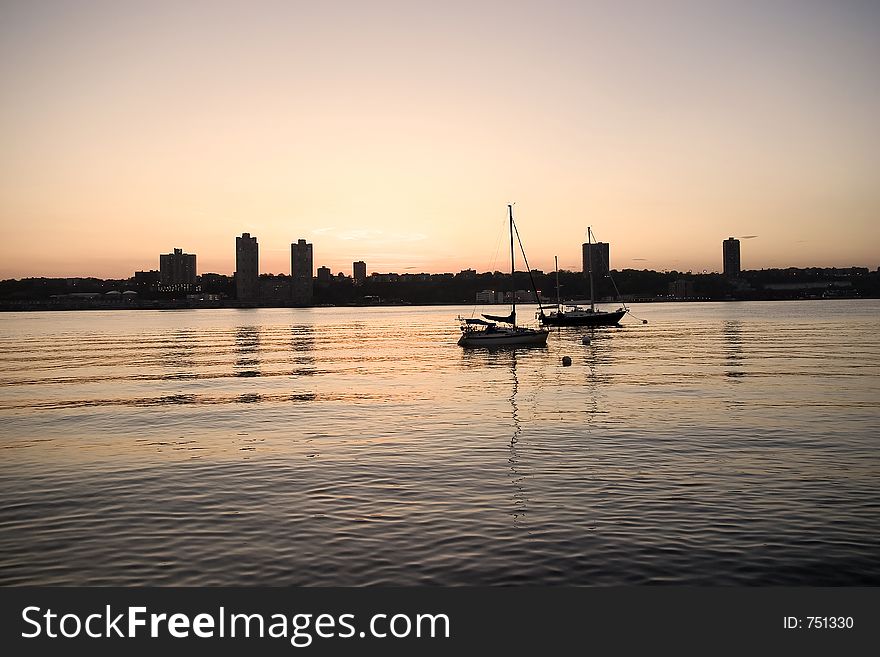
(586, 339)
(566, 361)
(644, 321)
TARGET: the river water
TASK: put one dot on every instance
(721, 443)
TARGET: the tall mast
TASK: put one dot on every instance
(558, 302)
(590, 267)
(512, 268)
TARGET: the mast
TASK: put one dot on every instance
(558, 302)
(590, 267)
(512, 269)
(525, 260)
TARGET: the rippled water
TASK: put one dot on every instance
(719, 444)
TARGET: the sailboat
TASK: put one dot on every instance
(486, 332)
(573, 314)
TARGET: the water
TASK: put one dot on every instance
(719, 444)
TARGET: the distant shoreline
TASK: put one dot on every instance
(37, 306)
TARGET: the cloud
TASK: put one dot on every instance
(409, 237)
(748, 237)
(371, 236)
(323, 231)
(359, 234)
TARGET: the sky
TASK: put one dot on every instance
(397, 133)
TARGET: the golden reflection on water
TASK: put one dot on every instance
(710, 426)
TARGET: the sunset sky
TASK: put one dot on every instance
(397, 132)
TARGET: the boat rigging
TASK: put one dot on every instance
(486, 332)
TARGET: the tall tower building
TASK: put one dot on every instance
(596, 255)
(247, 267)
(359, 271)
(301, 271)
(177, 270)
(731, 257)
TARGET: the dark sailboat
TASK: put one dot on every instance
(575, 315)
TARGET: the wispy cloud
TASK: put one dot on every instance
(360, 235)
(371, 236)
(748, 237)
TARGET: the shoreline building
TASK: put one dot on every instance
(177, 271)
(731, 260)
(275, 289)
(247, 268)
(324, 276)
(599, 255)
(301, 272)
(146, 281)
(681, 288)
(359, 272)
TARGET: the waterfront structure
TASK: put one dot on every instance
(486, 296)
(275, 290)
(681, 288)
(731, 257)
(324, 276)
(527, 296)
(146, 281)
(359, 272)
(301, 272)
(598, 256)
(247, 267)
(177, 271)
(385, 278)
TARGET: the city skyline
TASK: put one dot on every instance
(246, 256)
(396, 133)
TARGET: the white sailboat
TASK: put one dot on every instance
(486, 332)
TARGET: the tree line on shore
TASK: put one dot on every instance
(462, 288)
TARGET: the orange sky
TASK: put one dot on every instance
(397, 132)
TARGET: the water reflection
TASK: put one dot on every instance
(733, 354)
(597, 361)
(178, 357)
(247, 359)
(247, 351)
(516, 477)
(302, 357)
(302, 348)
(467, 468)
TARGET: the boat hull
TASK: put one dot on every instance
(490, 339)
(600, 318)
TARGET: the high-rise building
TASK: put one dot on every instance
(598, 256)
(177, 270)
(247, 267)
(324, 275)
(359, 271)
(301, 271)
(731, 257)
